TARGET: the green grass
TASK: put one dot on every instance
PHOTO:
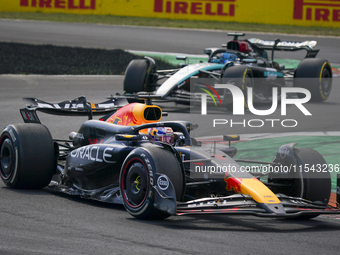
(155, 22)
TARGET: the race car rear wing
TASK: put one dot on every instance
(75, 107)
(80, 107)
(279, 45)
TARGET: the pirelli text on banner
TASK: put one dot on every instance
(60, 4)
(320, 10)
(199, 7)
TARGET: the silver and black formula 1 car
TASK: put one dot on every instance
(241, 63)
(115, 160)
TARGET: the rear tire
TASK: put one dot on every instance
(136, 76)
(136, 179)
(321, 84)
(27, 157)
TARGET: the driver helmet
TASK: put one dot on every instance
(226, 57)
(162, 134)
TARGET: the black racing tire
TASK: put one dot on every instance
(321, 85)
(136, 180)
(314, 185)
(240, 76)
(136, 74)
(317, 185)
(27, 156)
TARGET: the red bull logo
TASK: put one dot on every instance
(136, 114)
(124, 116)
(233, 183)
(318, 10)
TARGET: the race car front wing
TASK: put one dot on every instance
(239, 204)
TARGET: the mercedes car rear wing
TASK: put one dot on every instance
(279, 45)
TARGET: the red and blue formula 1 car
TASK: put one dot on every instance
(124, 158)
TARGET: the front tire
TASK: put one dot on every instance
(304, 182)
(316, 185)
(136, 180)
(242, 77)
(319, 82)
(27, 157)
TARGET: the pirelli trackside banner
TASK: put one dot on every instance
(290, 12)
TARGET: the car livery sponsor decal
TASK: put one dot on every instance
(94, 153)
(283, 151)
(163, 182)
(272, 75)
(309, 44)
(233, 183)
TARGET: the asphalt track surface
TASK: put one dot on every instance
(41, 222)
(143, 39)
